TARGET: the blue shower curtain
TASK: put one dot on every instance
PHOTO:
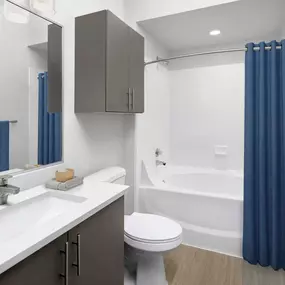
(49, 127)
(4, 145)
(264, 171)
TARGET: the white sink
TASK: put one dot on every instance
(21, 218)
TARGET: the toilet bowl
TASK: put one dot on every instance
(148, 237)
(151, 236)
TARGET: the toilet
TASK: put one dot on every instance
(147, 237)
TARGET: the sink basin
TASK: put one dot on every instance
(20, 218)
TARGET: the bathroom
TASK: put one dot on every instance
(182, 152)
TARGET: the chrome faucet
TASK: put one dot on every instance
(159, 162)
(6, 189)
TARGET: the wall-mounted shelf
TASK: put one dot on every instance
(42, 47)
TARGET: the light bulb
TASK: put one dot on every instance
(45, 6)
(16, 14)
(215, 32)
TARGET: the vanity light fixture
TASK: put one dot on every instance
(15, 14)
(215, 32)
(43, 6)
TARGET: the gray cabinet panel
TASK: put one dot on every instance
(117, 64)
(90, 63)
(54, 68)
(42, 268)
(101, 248)
(109, 63)
(136, 71)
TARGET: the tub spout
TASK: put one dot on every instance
(159, 162)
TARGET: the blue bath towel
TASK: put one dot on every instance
(4, 145)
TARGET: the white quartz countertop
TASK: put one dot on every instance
(98, 195)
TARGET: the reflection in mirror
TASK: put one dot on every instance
(30, 91)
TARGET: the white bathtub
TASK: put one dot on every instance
(207, 203)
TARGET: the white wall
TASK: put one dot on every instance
(152, 127)
(141, 10)
(207, 110)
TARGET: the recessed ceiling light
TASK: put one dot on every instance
(215, 32)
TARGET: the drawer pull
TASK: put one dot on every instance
(66, 273)
(78, 253)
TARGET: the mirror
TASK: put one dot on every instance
(30, 90)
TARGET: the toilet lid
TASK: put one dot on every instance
(151, 228)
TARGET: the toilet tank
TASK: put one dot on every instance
(116, 175)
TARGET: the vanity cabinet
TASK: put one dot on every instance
(92, 253)
(98, 248)
(42, 268)
(109, 65)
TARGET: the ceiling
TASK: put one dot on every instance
(240, 22)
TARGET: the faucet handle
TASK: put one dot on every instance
(158, 152)
(4, 180)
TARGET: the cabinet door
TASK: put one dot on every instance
(117, 72)
(42, 268)
(54, 68)
(136, 71)
(90, 63)
(101, 248)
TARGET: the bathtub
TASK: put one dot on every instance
(207, 203)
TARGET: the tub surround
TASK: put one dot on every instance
(95, 197)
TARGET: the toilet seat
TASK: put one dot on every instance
(152, 233)
(151, 241)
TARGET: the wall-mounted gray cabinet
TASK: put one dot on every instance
(91, 253)
(109, 65)
(54, 68)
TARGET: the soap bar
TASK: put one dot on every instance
(65, 175)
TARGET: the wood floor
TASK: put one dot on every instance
(192, 266)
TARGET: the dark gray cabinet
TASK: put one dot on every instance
(90, 254)
(54, 68)
(98, 248)
(43, 267)
(109, 65)
(136, 73)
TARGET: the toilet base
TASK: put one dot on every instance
(150, 270)
(129, 279)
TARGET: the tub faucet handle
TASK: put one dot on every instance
(158, 152)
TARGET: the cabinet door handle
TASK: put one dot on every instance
(66, 254)
(78, 253)
(133, 95)
(129, 98)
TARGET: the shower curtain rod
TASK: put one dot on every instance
(204, 53)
